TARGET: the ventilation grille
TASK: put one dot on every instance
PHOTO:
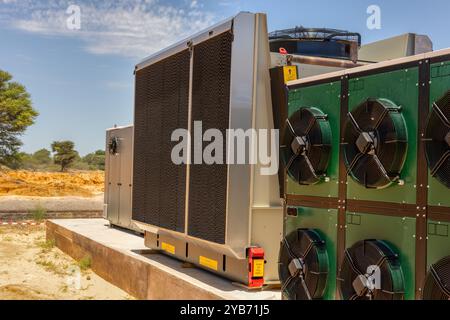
(437, 284)
(375, 143)
(371, 270)
(210, 104)
(161, 106)
(306, 147)
(438, 140)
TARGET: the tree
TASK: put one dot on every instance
(42, 156)
(65, 154)
(16, 115)
(95, 160)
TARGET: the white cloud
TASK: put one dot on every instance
(134, 28)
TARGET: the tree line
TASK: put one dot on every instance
(16, 115)
(61, 157)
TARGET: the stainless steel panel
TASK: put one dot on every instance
(118, 178)
(241, 117)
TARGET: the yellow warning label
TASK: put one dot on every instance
(290, 73)
(209, 263)
(168, 248)
(258, 268)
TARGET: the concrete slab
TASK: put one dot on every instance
(121, 258)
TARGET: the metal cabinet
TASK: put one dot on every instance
(118, 177)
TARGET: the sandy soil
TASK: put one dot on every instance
(27, 204)
(51, 184)
(32, 268)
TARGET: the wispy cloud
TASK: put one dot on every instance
(133, 28)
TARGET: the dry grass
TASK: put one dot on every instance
(51, 184)
(32, 267)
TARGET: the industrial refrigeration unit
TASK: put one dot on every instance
(118, 177)
(226, 218)
(366, 155)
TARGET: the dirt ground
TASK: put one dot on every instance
(32, 268)
(51, 184)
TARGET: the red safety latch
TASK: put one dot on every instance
(255, 267)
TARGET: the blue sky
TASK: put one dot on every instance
(81, 81)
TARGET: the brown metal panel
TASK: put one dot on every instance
(382, 208)
(280, 113)
(439, 213)
(342, 192)
(211, 105)
(422, 178)
(438, 59)
(161, 106)
(311, 201)
(389, 68)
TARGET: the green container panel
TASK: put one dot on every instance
(438, 245)
(325, 97)
(400, 87)
(397, 232)
(438, 194)
(325, 222)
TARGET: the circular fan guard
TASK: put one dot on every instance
(303, 265)
(306, 146)
(437, 140)
(375, 143)
(437, 283)
(371, 271)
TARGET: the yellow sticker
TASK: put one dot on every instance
(258, 268)
(290, 73)
(168, 248)
(209, 263)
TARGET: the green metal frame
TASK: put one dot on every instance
(326, 98)
(401, 87)
(398, 232)
(440, 84)
(324, 222)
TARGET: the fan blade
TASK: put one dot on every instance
(441, 115)
(308, 250)
(394, 141)
(381, 118)
(440, 162)
(310, 125)
(352, 263)
(355, 161)
(290, 127)
(309, 167)
(354, 123)
(291, 160)
(381, 167)
(305, 288)
(289, 135)
(321, 145)
(286, 283)
(289, 250)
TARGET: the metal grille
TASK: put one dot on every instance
(161, 106)
(210, 104)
